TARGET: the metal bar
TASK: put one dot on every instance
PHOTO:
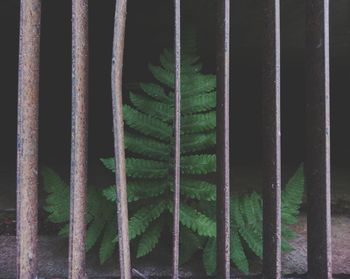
(27, 141)
(271, 141)
(317, 164)
(177, 127)
(120, 175)
(80, 87)
(223, 140)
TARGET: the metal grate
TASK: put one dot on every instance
(318, 139)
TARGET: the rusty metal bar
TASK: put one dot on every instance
(223, 140)
(118, 125)
(27, 139)
(317, 164)
(80, 87)
(271, 141)
(177, 127)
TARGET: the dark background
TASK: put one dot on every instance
(149, 30)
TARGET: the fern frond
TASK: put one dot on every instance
(292, 197)
(197, 142)
(163, 76)
(57, 202)
(190, 243)
(188, 59)
(64, 231)
(209, 256)
(237, 253)
(139, 168)
(140, 221)
(159, 110)
(167, 62)
(191, 84)
(149, 239)
(155, 91)
(108, 242)
(253, 239)
(147, 147)
(94, 231)
(197, 123)
(200, 103)
(198, 189)
(252, 211)
(137, 190)
(197, 221)
(146, 124)
(198, 84)
(235, 213)
(198, 164)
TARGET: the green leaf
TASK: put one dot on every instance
(103, 216)
(147, 147)
(200, 103)
(197, 142)
(237, 254)
(94, 231)
(198, 84)
(197, 221)
(253, 239)
(159, 110)
(196, 123)
(292, 197)
(149, 239)
(187, 57)
(190, 243)
(140, 221)
(198, 189)
(108, 244)
(198, 164)
(209, 256)
(155, 91)
(137, 190)
(139, 168)
(64, 231)
(146, 124)
(162, 75)
(57, 202)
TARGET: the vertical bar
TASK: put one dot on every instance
(317, 164)
(27, 141)
(80, 87)
(271, 141)
(118, 125)
(177, 126)
(223, 140)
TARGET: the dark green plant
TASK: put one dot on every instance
(149, 144)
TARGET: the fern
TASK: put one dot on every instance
(149, 239)
(209, 256)
(149, 142)
(100, 215)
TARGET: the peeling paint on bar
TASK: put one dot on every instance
(27, 141)
(223, 141)
(177, 126)
(118, 125)
(79, 157)
(317, 164)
